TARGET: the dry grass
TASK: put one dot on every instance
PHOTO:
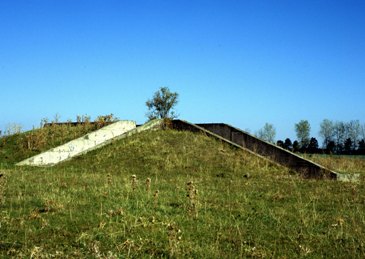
(245, 207)
(344, 164)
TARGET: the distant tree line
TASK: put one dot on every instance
(338, 138)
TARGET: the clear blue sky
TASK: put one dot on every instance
(240, 62)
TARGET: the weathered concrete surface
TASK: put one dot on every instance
(81, 145)
(241, 139)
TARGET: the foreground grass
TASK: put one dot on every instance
(243, 206)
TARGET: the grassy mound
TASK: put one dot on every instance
(176, 194)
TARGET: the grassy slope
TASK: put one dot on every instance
(244, 206)
(15, 148)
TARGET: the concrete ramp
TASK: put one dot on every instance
(241, 139)
(80, 145)
(89, 142)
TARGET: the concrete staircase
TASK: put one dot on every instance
(90, 141)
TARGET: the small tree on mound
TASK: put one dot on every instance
(161, 106)
(267, 133)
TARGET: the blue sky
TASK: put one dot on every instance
(240, 62)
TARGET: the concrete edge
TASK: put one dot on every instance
(336, 174)
(201, 129)
(332, 174)
(342, 177)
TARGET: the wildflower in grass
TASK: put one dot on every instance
(305, 250)
(148, 185)
(95, 249)
(118, 212)
(35, 214)
(111, 255)
(102, 224)
(2, 186)
(174, 235)
(44, 223)
(35, 252)
(128, 245)
(192, 194)
(155, 197)
(134, 182)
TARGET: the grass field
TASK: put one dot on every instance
(178, 194)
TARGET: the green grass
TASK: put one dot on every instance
(244, 207)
